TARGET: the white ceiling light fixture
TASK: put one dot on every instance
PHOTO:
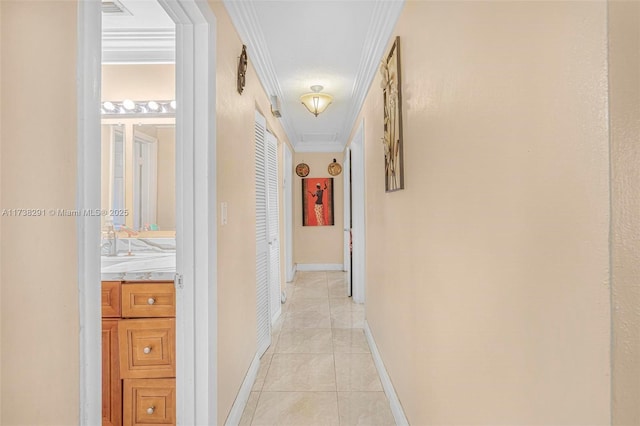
(315, 101)
(129, 105)
(153, 106)
(146, 108)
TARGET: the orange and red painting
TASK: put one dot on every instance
(317, 202)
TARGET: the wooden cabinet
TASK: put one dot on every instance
(151, 300)
(111, 387)
(147, 348)
(150, 401)
(138, 353)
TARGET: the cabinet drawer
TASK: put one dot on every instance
(111, 299)
(149, 402)
(147, 348)
(144, 300)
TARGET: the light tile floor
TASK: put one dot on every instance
(319, 369)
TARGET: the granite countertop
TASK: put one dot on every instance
(140, 259)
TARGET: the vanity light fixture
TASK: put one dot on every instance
(147, 108)
(109, 106)
(129, 105)
(315, 101)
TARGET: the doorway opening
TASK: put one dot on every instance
(196, 319)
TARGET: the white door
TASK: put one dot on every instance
(262, 238)
(273, 212)
(346, 169)
(145, 181)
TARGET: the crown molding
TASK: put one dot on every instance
(140, 46)
(331, 146)
(244, 18)
(383, 22)
(384, 18)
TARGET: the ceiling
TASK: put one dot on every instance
(293, 45)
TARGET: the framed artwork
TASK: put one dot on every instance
(317, 202)
(392, 101)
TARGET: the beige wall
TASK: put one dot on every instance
(318, 244)
(138, 82)
(39, 312)
(236, 186)
(624, 80)
(487, 277)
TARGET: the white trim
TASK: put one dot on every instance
(293, 271)
(245, 20)
(196, 333)
(383, 22)
(196, 313)
(319, 266)
(139, 46)
(88, 196)
(346, 236)
(387, 385)
(359, 216)
(243, 394)
(287, 186)
(336, 147)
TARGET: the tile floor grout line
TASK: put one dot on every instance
(349, 323)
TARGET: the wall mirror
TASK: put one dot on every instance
(138, 175)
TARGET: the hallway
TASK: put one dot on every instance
(319, 369)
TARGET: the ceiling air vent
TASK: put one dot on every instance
(114, 8)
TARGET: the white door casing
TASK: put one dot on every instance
(273, 209)
(346, 170)
(196, 298)
(358, 236)
(288, 212)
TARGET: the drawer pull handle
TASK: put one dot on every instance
(147, 349)
(150, 410)
(151, 301)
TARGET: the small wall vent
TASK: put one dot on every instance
(114, 8)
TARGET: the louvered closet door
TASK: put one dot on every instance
(262, 234)
(273, 212)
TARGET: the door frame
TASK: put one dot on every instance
(196, 296)
(358, 211)
(288, 213)
(346, 170)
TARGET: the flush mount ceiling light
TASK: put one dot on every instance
(316, 102)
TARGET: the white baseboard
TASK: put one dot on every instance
(233, 419)
(319, 266)
(396, 407)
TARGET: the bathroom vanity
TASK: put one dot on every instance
(138, 353)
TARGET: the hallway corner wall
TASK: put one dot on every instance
(235, 120)
(39, 314)
(487, 278)
(624, 81)
(318, 245)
